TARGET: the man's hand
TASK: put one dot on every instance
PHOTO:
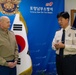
(12, 64)
(59, 45)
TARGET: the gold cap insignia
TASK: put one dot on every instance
(9, 6)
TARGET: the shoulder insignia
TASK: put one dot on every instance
(73, 28)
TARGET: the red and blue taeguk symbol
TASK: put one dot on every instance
(21, 42)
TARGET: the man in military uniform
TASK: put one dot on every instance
(8, 48)
(64, 42)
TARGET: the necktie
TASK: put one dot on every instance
(63, 41)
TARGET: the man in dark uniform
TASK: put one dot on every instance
(64, 43)
(8, 48)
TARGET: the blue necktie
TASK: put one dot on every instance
(63, 41)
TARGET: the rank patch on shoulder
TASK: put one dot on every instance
(9, 6)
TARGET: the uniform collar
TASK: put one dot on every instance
(67, 27)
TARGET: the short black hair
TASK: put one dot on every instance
(63, 14)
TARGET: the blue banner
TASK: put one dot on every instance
(41, 21)
(42, 24)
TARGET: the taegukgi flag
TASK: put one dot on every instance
(24, 66)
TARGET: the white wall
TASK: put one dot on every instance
(70, 4)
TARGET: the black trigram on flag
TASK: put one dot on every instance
(19, 61)
(17, 27)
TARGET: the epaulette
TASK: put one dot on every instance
(73, 28)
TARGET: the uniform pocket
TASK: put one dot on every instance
(69, 41)
(74, 41)
(58, 39)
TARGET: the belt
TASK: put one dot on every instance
(69, 55)
(10, 61)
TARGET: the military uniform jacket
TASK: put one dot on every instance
(8, 47)
(70, 40)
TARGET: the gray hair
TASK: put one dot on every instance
(2, 18)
